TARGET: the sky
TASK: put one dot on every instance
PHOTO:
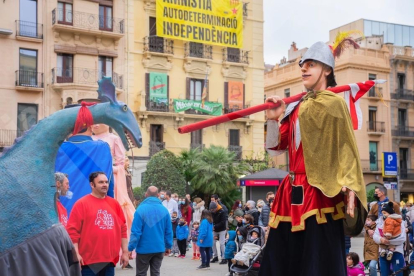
(306, 22)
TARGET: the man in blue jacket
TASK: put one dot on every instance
(151, 234)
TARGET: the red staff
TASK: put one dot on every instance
(354, 92)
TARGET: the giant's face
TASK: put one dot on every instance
(311, 70)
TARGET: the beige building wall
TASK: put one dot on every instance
(354, 66)
(179, 66)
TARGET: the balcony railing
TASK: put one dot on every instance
(29, 29)
(230, 109)
(235, 55)
(8, 136)
(29, 79)
(83, 76)
(371, 165)
(155, 147)
(197, 146)
(157, 106)
(157, 44)
(198, 50)
(407, 174)
(401, 51)
(375, 126)
(196, 112)
(403, 131)
(236, 149)
(245, 9)
(403, 94)
(88, 21)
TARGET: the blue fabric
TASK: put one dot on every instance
(78, 157)
(380, 206)
(205, 234)
(181, 232)
(411, 260)
(205, 253)
(397, 263)
(151, 230)
(373, 268)
(231, 246)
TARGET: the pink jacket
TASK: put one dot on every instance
(357, 270)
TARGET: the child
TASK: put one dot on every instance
(182, 235)
(231, 249)
(194, 237)
(354, 266)
(249, 250)
(370, 247)
(391, 230)
(254, 237)
(174, 221)
(205, 239)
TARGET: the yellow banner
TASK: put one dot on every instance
(214, 22)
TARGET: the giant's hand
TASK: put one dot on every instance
(351, 201)
(274, 114)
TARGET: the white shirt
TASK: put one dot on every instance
(171, 205)
(398, 242)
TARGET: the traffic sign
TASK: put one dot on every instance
(389, 163)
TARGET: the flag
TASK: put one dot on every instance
(204, 95)
(352, 96)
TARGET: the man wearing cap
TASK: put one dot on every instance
(80, 155)
(219, 230)
(306, 234)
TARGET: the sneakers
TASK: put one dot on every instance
(389, 255)
(128, 266)
(176, 255)
(214, 260)
(181, 256)
(171, 254)
(223, 261)
(203, 266)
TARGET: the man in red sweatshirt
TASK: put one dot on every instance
(98, 230)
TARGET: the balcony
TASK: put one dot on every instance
(157, 44)
(82, 76)
(403, 94)
(238, 150)
(157, 106)
(198, 50)
(195, 112)
(375, 93)
(235, 55)
(233, 108)
(197, 146)
(87, 23)
(407, 174)
(29, 31)
(401, 52)
(373, 166)
(8, 136)
(375, 127)
(29, 80)
(155, 147)
(403, 131)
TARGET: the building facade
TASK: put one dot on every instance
(353, 66)
(163, 75)
(53, 53)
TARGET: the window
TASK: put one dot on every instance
(196, 89)
(403, 162)
(372, 76)
(234, 137)
(402, 118)
(28, 18)
(196, 49)
(156, 139)
(233, 54)
(105, 65)
(64, 70)
(371, 92)
(64, 13)
(152, 26)
(401, 80)
(197, 139)
(156, 44)
(26, 117)
(373, 156)
(287, 92)
(372, 117)
(105, 18)
(27, 67)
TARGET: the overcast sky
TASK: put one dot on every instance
(309, 21)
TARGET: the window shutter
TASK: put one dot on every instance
(168, 93)
(147, 89)
(208, 90)
(188, 89)
(153, 26)
(244, 96)
(226, 94)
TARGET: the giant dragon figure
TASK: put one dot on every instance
(32, 241)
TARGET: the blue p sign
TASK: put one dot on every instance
(389, 164)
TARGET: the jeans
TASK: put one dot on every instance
(397, 262)
(153, 260)
(222, 239)
(373, 268)
(104, 270)
(411, 260)
(205, 253)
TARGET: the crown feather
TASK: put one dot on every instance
(344, 40)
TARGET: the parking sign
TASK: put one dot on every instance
(389, 164)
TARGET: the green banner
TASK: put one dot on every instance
(158, 88)
(209, 107)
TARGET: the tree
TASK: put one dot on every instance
(164, 172)
(188, 160)
(257, 162)
(216, 172)
(370, 196)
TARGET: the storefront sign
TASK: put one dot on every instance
(214, 22)
(267, 182)
(209, 107)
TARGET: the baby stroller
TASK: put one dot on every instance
(254, 266)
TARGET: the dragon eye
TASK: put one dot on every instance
(125, 108)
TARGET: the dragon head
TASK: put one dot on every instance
(116, 114)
